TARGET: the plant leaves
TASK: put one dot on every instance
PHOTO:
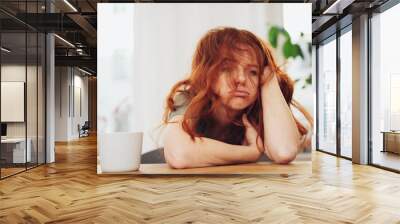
(308, 80)
(287, 49)
(292, 50)
(286, 34)
(273, 36)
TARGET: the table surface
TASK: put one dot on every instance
(13, 140)
(297, 167)
(391, 132)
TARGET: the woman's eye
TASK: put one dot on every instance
(253, 72)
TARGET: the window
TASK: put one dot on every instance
(327, 97)
(385, 89)
(346, 94)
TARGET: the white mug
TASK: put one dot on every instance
(120, 151)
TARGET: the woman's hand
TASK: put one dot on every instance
(251, 137)
(266, 76)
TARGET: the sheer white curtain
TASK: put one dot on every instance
(115, 67)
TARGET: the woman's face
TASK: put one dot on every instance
(237, 82)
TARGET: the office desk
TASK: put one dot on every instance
(18, 151)
(300, 167)
(391, 141)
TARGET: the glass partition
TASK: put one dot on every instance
(13, 105)
(32, 85)
(41, 87)
(22, 77)
(327, 96)
(32, 95)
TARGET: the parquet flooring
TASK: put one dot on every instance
(70, 191)
(10, 171)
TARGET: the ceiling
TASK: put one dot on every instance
(76, 22)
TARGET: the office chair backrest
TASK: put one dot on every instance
(86, 125)
(3, 129)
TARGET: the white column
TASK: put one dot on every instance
(50, 99)
(50, 92)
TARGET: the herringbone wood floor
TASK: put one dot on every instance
(70, 191)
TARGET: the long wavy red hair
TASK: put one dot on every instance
(213, 49)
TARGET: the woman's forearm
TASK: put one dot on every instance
(181, 152)
(281, 137)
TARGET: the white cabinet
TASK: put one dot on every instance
(18, 149)
(12, 101)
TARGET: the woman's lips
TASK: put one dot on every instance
(240, 93)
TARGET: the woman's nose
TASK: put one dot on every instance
(240, 76)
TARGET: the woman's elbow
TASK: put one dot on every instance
(285, 159)
(285, 155)
(175, 158)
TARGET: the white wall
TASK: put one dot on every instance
(67, 81)
(12, 73)
(61, 103)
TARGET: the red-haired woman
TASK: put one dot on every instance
(233, 107)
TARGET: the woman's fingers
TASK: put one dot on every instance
(267, 74)
(267, 70)
(260, 144)
(252, 137)
(246, 121)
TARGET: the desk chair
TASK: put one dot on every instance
(84, 130)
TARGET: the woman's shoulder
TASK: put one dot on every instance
(181, 102)
(181, 98)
